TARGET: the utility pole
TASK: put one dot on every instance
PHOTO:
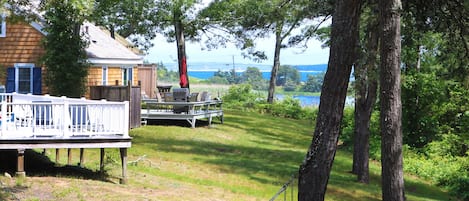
(234, 69)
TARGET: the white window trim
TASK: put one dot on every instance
(104, 77)
(129, 69)
(3, 30)
(17, 75)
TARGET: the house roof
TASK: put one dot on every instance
(103, 49)
(129, 45)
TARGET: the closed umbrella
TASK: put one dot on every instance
(183, 78)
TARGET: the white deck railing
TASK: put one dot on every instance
(30, 116)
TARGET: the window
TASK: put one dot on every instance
(3, 25)
(127, 75)
(104, 75)
(24, 78)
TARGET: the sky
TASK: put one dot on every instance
(165, 52)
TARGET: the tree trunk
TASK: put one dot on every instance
(366, 83)
(315, 170)
(181, 50)
(273, 74)
(390, 99)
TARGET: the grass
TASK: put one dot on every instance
(249, 157)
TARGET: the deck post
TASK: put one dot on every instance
(101, 161)
(57, 156)
(69, 154)
(20, 164)
(123, 151)
(82, 150)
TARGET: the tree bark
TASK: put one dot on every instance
(366, 84)
(181, 50)
(390, 99)
(275, 67)
(315, 170)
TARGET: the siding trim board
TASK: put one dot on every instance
(114, 61)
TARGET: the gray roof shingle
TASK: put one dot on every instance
(103, 47)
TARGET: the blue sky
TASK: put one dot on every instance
(166, 52)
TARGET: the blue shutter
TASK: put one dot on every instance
(10, 85)
(37, 81)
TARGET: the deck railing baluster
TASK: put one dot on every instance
(48, 116)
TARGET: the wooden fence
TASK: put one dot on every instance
(147, 76)
(121, 93)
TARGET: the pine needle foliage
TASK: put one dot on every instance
(65, 57)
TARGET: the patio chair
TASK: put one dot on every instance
(205, 96)
(180, 95)
(194, 97)
(23, 115)
(168, 97)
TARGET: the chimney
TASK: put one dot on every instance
(112, 33)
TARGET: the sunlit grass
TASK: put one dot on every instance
(249, 157)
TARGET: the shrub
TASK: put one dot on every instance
(347, 127)
(289, 86)
(217, 80)
(288, 108)
(241, 97)
(441, 162)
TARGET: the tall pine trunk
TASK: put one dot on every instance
(390, 99)
(315, 170)
(181, 50)
(366, 84)
(275, 67)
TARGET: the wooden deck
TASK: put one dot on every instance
(189, 111)
(46, 122)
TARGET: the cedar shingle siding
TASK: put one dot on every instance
(22, 44)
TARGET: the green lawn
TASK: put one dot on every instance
(249, 157)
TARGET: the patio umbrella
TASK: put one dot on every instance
(183, 78)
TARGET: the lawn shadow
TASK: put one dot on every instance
(38, 165)
(274, 131)
(249, 161)
(181, 123)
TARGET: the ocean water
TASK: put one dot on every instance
(206, 70)
(313, 100)
(266, 75)
(304, 100)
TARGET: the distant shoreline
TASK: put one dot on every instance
(205, 75)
